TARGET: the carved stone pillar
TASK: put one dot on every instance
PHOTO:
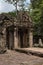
(15, 38)
(4, 36)
(30, 38)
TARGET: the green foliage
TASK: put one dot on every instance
(12, 13)
(37, 15)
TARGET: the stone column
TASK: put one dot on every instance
(15, 38)
(4, 37)
(30, 38)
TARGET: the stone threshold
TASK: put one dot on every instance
(32, 51)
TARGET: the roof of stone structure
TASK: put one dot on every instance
(23, 19)
(6, 17)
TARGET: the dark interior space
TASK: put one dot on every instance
(10, 38)
(22, 33)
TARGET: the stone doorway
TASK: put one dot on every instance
(23, 38)
(10, 38)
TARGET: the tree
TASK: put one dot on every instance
(37, 16)
(15, 3)
(22, 5)
(41, 18)
(37, 13)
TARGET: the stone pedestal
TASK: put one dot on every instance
(15, 38)
(30, 38)
(40, 42)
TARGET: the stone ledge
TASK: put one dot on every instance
(32, 51)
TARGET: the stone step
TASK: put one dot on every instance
(32, 51)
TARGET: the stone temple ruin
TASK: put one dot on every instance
(16, 32)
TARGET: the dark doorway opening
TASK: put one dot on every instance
(20, 35)
(10, 38)
(23, 38)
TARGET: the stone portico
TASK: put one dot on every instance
(17, 33)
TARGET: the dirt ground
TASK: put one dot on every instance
(17, 58)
